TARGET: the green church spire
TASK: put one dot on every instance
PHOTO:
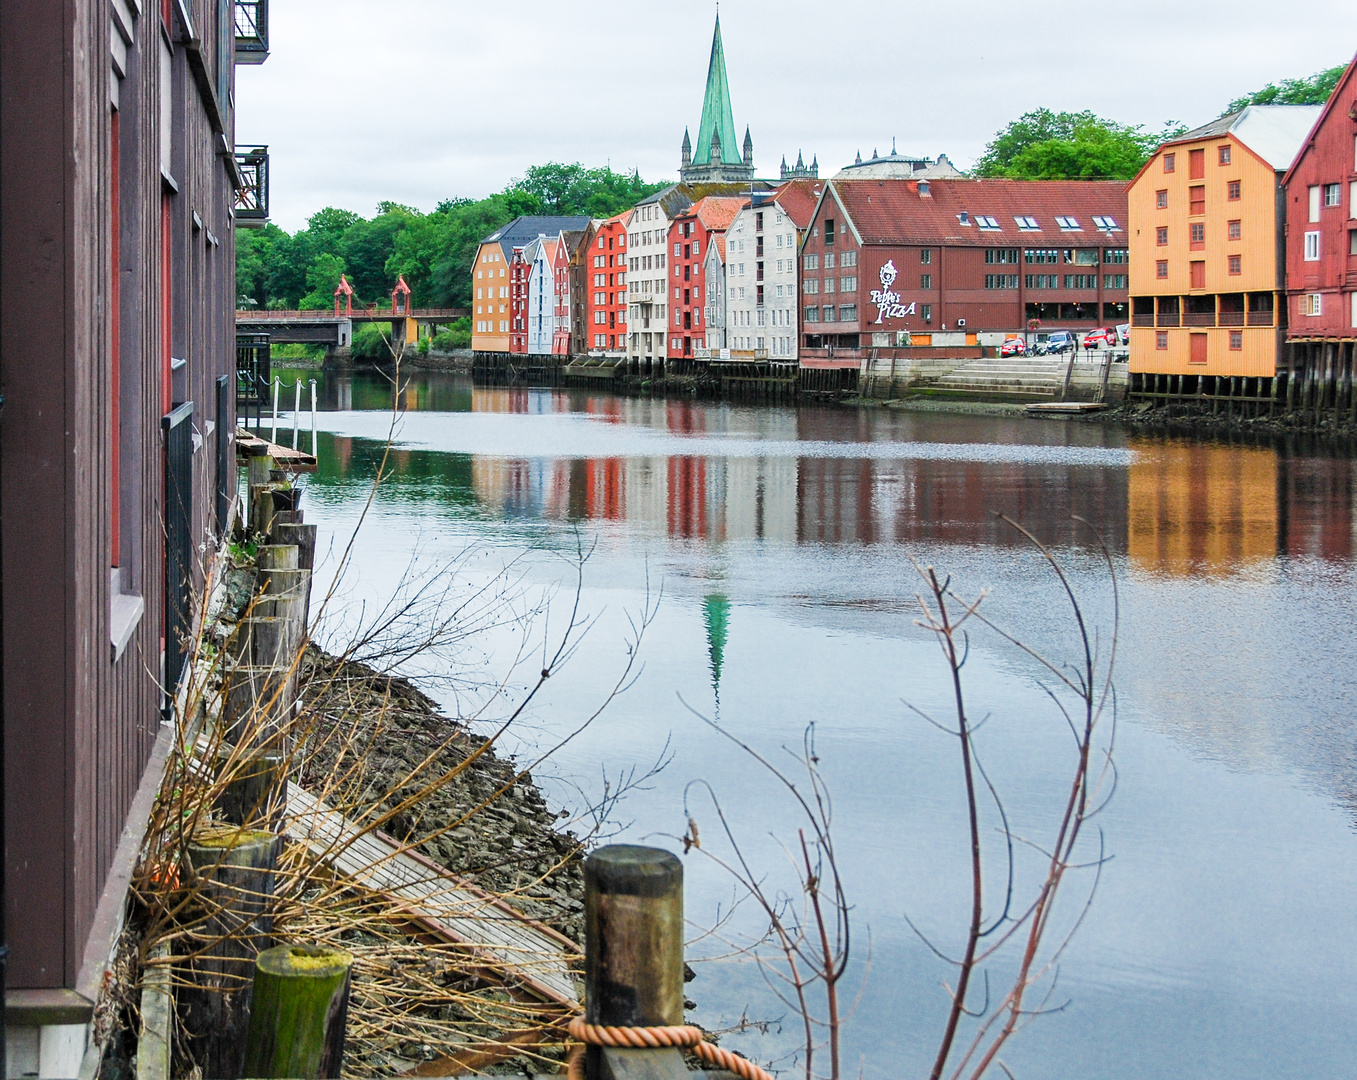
(716, 113)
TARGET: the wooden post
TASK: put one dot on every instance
(284, 595)
(304, 536)
(633, 919)
(301, 1004)
(253, 706)
(233, 871)
(277, 557)
(255, 793)
(264, 641)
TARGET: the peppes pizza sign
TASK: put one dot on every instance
(888, 305)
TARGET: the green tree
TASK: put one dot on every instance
(1314, 90)
(321, 280)
(1046, 145)
(368, 245)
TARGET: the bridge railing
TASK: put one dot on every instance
(262, 315)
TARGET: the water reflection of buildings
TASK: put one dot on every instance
(1208, 508)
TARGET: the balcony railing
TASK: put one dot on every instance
(1142, 320)
(1168, 318)
(252, 200)
(1199, 318)
(1260, 318)
(1231, 318)
(252, 31)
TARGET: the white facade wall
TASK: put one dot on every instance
(714, 302)
(541, 298)
(773, 326)
(647, 282)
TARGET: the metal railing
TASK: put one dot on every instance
(278, 386)
(252, 31)
(252, 200)
(178, 428)
(254, 373)
(226, 464)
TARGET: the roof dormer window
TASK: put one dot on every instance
(964, 218)
(1068, 224)
(1027, 224)
(1106, 224)
(987, 223)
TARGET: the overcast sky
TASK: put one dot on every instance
(419, 100)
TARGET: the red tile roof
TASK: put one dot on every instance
(798, 198)
(894, 212)
(716, 212)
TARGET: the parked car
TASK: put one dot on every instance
(1103, 337)
(1014, 346)
(1059, 341)
(1124, 333)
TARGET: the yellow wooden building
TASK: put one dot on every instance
(490, 298)
(1207, 256)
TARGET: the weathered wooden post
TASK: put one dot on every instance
(633, 912)
(255, 791)
(300, 1008)
(233, 871)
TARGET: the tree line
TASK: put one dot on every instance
(435, 251)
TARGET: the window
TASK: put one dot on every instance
(1161, 339)
(1352, 242)
(1105, 223)
(1314, 202)
(1161, 269)
(925, 281)
(1223, 154)
(848, 258)
(1234, 265)
(1312, 246)
(1236, 340)
(1234, 230)
(1027, 224)
(1114, 281)
(926, 256)
(988, 224)
(1001, 255)
(1081, 281)
(1196, 200)
(1333, 195)
(829, 314)
(811, 286)
(1196, 164)
(1170, 162)
(848, 313)
(1161, 199)
(1198, 276)
(697, 247)
(849, 284)
(1161, 236)
(829, 283)
(1196, 236)
(812, 314)
(829, 260)
(1042, 255)
(829, 232)
(812, 262)
(1232, 191)
(1042, 281)
(1001, 281)
(1116, 256)
(1068, 224)
(927, 310)
(1310, 304)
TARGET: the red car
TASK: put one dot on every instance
(1014, 346)
(1103, 338)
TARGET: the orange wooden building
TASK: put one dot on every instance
(1207, 263)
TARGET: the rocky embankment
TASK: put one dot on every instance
(376, 741)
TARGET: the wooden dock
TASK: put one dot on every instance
(1065, 408)
(286, 457)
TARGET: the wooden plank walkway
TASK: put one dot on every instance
(286, 457)
(519, 949)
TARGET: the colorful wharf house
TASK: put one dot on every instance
(761, 308)
(904, 264)
(690, 236)
(1321, 257)
(604, 271)
(1208, 223)
(491, 316)
(519, 269)
(121, 191)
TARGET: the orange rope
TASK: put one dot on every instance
(684, 1035)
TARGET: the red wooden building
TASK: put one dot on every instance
(690, 234)
(1321, 248)
(894, 264)
(519, 269)
(604, 270)
(560, 280)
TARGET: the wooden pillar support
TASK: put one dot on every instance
(301, 1005)
(233, 871)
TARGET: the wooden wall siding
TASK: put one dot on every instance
(80, 728)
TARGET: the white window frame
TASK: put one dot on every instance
(1026, 223)
(1068, 224)
(1314, 202)
(1312, 245)
(1333, 194)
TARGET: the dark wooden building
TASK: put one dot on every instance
(120, 193)
(895, 264)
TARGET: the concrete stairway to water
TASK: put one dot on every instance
(1016, 379)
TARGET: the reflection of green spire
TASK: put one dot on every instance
(716, 112)
(716, 613)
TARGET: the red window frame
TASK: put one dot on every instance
(1161, 236)
(1235, 265)
(1170, 162)
(1161, 269)
(1232, 191)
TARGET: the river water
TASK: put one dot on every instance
(775, 547)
